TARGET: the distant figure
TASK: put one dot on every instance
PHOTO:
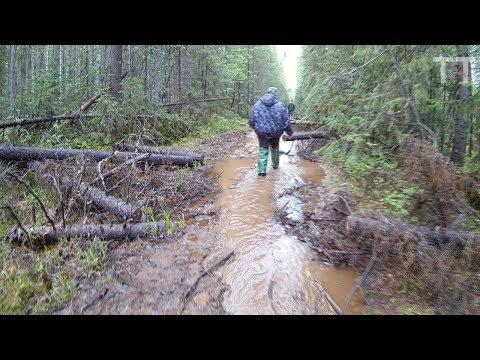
(291, 109)
(269, 119)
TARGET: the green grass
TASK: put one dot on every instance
(167, 217)
(216, 126)
(40, 288)
(94, 256)
(17, 288)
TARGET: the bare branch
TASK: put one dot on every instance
(18, 221)
(30, 190)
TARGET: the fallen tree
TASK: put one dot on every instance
(196, 101)
(111, 204)
(307, 135)
(302, 122)
(156, 150)
(12, 153)
(46, 235)
(89, 103)
(367, 228)
(24, 122)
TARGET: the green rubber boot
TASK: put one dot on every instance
(262, 161)
(275, 157)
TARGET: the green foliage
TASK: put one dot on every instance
(372, 173)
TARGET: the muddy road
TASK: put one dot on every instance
(270, 272)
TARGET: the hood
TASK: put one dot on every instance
(269, 100)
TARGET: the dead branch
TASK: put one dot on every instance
(202, 275)
(341, 76)
(30, 190)
(18, 221)
(362, 279)
(60, 198)
(100, 164)
(121, 166)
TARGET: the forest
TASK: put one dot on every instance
(127, 181)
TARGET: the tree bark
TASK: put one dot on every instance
(367, 228)
(24, 122)
(156, 150)
(462, 113)
(12, 77)
(179, 74)
(201, 100)
(307, 135)
(116, 72)
(11, 153)
(89, 103)
(111, 204)
(46, 235)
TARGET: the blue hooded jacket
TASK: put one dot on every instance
(269, 117)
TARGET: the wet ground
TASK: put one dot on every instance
(271, 270)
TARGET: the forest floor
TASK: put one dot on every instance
(181, 272)
(154, 276)
(170, 275)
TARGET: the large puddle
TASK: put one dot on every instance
(272, 272)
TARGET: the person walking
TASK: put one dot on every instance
(269, 119)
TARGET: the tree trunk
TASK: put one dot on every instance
(46, 235)
(462, 113)
(24, 122)
(179, 74)
(116, 72)
(11, 153)
(366, 228)
(195, 101)
(12, 77)
(33, 65)
(307, 135)
(145, 74)
(156, 150)
(111, 204)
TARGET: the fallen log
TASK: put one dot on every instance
(300, 122)
(89, 103)
(196, 101)
(306, 136)
(367, 228)
(24, 122)
(156, 150)
(46, 235)
(111, 204)
(12, 153)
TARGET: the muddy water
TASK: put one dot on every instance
(272, 272)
